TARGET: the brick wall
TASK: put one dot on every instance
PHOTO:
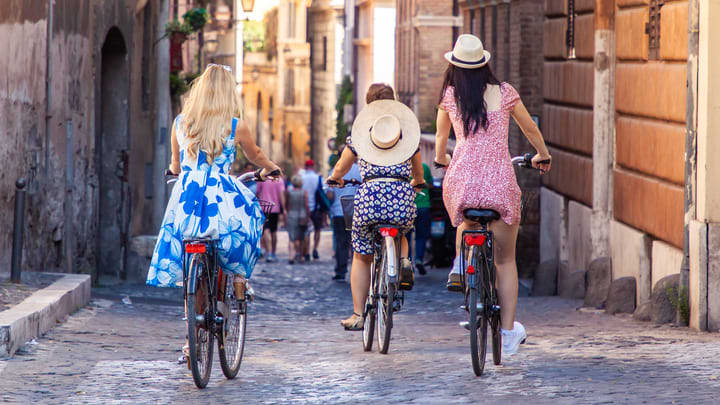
(650, 123)
(512, 32)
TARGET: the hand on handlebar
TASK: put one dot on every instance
(266, 174)
(442, 163)
(333, 182)
(418, 187)
(542, 163)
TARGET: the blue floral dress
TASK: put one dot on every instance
(381, 202)
(206, 202)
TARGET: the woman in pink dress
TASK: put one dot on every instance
(480, 173)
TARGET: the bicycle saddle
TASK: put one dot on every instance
(484, 217)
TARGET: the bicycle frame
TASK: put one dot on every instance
(476, 253)
(190, 279)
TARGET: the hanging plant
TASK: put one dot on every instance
(196, 18)
(175, 27)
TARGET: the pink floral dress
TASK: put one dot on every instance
(480, 174)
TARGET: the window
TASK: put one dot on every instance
(289, 146)
(292, 10)
(570, 34)
(495, 33)
(472, 21)
(289, 88)
(483, 25)
(271, 114)
(324, 54)
(652, 28)
(258, 120)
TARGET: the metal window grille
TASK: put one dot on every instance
(652, 29)
(570, 34)
(472, 21)
(324, 54)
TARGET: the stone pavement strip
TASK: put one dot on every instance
(111, 352)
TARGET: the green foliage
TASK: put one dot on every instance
(194, 20)
(344, 98)
(270, 22)
(254, 36)
(678, 297)
(180, 84)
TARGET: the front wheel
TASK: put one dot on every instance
(200, 337)
(231, 344)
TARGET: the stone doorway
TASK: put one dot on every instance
(112, 147)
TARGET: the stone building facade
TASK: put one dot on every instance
(77, 102)
(626, 114)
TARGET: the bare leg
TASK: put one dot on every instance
(360, 281)
(264, 241)
(507, 277)
(318, 232)
(273, 241)
(404, 247)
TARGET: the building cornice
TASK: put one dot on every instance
(433, 21)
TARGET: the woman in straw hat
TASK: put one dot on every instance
(385, 140)
(480, 174)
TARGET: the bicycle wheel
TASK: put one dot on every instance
(200, 337)
(494, 316)
(386, 294)
(370, 312)
(231, 344)
(477, 319)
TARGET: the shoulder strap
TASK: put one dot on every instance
(234, 126)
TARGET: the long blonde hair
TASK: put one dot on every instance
(208, 111)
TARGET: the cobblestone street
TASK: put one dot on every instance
(112, 352)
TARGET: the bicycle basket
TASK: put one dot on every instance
(348, 205)
(266, 206)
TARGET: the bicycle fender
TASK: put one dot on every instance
(192, 277)
(390, 256)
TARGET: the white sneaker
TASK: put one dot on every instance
(511, 339)
(456, 266)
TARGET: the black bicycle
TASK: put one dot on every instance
(478, 281)
(212, 309)
(384, 295)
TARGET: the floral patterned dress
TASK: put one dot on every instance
(381, 202)
(481, 174)
(206, 202)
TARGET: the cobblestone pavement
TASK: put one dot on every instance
(111, 352)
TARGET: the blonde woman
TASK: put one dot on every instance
(206, 201)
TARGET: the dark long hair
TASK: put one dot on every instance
(470, 86)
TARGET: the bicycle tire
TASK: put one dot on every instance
(231, 341)
(200, 337)
(492, 300)
(478, 341)
(370, 313)
(386, 292)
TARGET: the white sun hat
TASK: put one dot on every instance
(386, 133)
(468, 53)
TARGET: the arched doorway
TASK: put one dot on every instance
(112, 147)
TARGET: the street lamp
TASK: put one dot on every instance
(248, 5)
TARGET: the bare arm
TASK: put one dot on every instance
(344, 164)
(532, 133)
(243, 138)
(441, 137)
(175, 147)
(417, 170)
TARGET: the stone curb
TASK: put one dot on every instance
(41, 311)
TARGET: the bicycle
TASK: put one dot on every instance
(478, 281)
(212, 309)
(384, 295)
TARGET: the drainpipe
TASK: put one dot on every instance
(48, 83)
(690, 137)
(161, 157)
(603, 127)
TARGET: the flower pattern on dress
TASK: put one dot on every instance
(207, 203)
(379, 202)
(481, 174)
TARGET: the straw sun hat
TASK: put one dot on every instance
(468, 53)
(386, 133)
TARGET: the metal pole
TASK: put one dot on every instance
(18, 231)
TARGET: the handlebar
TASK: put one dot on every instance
(349, 182)
(525, 161)
(251, 176)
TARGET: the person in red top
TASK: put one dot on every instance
(274, 192)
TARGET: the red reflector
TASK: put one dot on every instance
(392, 232)
(471, 270)
(475, 240)
(195, 248)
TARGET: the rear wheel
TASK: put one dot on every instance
(370, 313)
(200, 337)
(231, 346)
(476, 319)
(386, 294)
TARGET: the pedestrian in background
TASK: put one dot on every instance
(298, 215)
(312, 183)
(341, 235)
(274, 192)
(422, 221)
